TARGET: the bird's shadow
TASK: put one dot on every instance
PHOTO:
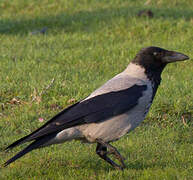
(94, 163)
(86, 21)
(99, 166)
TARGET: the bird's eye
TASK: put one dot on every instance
(155, 53)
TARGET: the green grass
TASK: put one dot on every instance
(87, 43)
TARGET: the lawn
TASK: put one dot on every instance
(85, 43)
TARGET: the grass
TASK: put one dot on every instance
(87, 43)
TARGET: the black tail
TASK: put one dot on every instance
(16, 143)
(36, 144)
(25, 139)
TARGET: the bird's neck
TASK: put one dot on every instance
(136, 71)
(145, 73)
(155, 78)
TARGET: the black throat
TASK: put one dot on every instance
(154, 77)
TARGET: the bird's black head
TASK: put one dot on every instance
(154, 59)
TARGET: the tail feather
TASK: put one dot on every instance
(16, 143)
(34, 145)
(42, 131)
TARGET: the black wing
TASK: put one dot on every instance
(95, 109)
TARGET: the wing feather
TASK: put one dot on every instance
(93, 110)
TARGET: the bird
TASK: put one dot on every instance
(110, 112)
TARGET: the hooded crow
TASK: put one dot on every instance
(110, 112)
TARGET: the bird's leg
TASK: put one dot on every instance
(115, 152)
(112, 150)
(102, 152)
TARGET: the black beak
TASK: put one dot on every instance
(172, 56)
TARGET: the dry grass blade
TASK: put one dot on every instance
(36, 96)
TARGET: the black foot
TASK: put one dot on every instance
(101, 150)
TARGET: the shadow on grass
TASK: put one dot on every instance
(138, 165)
(87, 21)
(100, 165)
(97, 164)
